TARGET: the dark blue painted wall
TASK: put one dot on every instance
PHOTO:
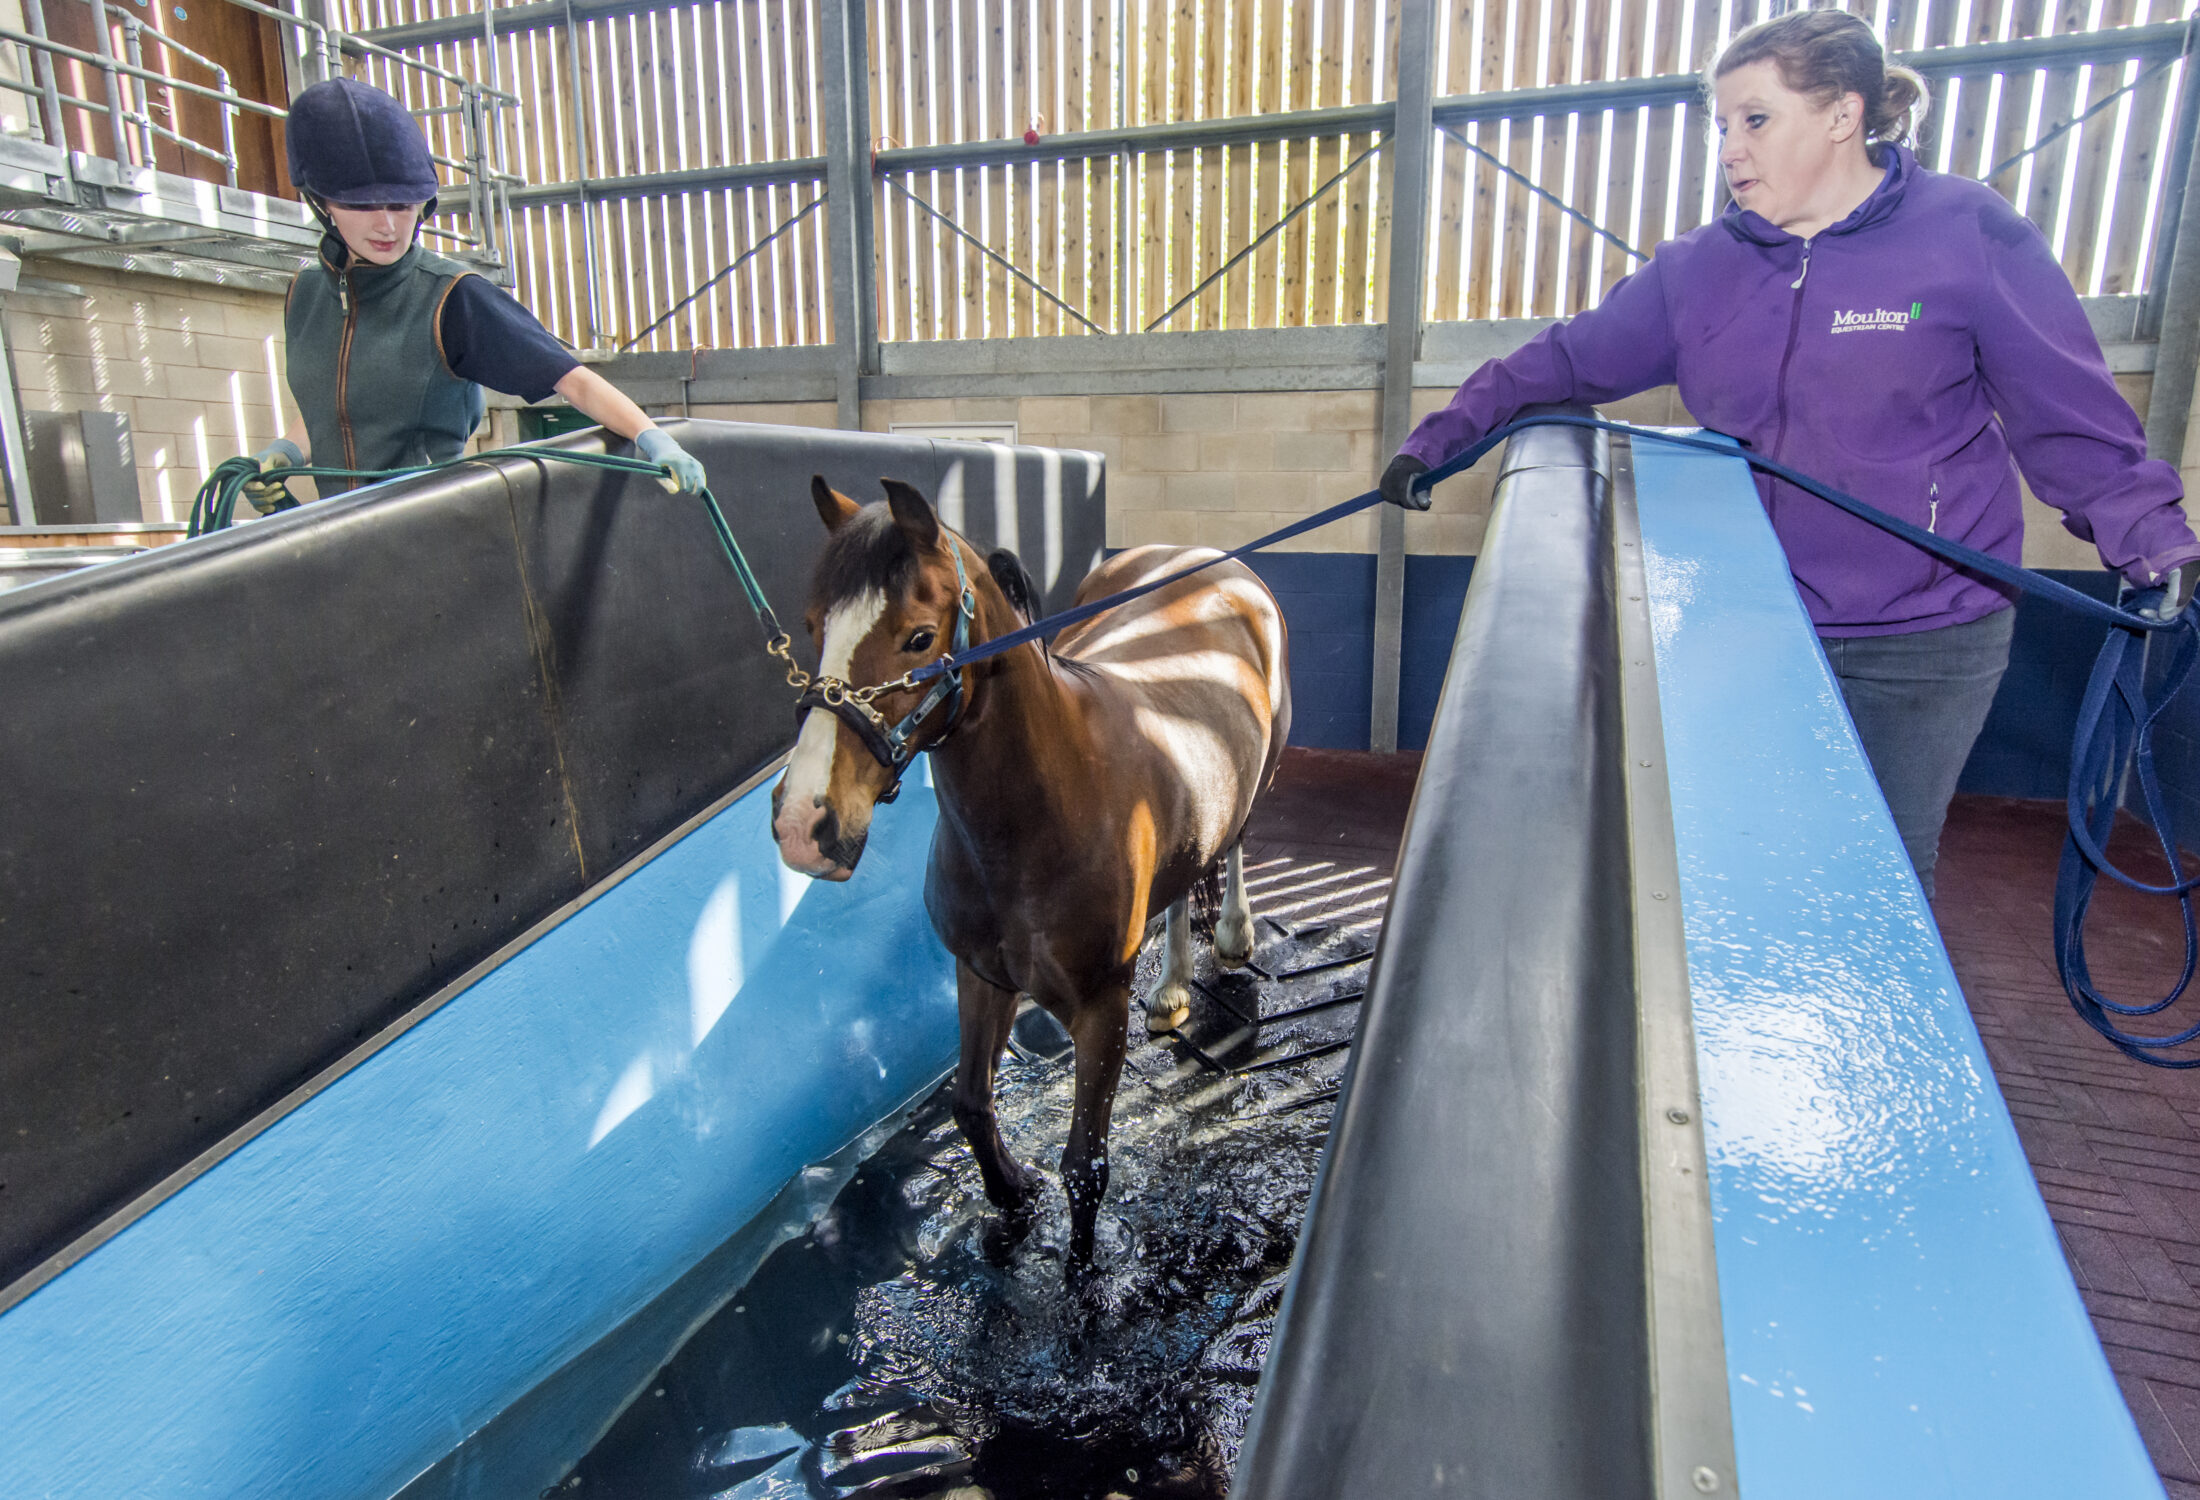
(2177, 755)
(1328, 601)
(2024, 750)
(1436, 590)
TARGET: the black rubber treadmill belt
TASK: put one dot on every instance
(1466, 1316)
(262, 793)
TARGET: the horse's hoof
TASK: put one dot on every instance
(1000, 1237)
(1090, 1292)
(1234, 942)
(1170, 1007)
(1019, 1193)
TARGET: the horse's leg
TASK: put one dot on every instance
(987, 1012)
(1171, 1004)
(1098, 1029)
(1234, 928)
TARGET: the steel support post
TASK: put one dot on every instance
(847, 180)
(581, 149)
(56, 128)
(863, 185)
(305, 47)
(14, 459)
(1126, 310)
(115, 123)
(2173, 301)
(1410, 154)
(2176, 170)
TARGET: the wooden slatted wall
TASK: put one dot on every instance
(1122, 240)
(1497, 250)
(1118, 242)
(690, 87)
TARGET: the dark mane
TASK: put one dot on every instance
(869, 552)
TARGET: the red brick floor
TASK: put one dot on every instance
(1323, 839)
(2115, 1144)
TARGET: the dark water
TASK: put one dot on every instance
(884, 1354)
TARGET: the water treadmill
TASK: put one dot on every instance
(412, 1035)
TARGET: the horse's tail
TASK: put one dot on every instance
(1206, 901)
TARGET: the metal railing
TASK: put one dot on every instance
(139, 105)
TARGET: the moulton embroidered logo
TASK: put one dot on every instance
(1877, 318)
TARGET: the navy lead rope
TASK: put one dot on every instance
(2116, 728)
(2115, 722)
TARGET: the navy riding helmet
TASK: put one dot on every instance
(351, 144)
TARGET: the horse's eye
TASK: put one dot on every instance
(919, 640)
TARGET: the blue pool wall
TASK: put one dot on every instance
(499, 1193)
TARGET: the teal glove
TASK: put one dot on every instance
(268, 495)
(686, 476)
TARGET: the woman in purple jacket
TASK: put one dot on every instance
(1896, 333)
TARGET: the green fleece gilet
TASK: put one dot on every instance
(366, 361)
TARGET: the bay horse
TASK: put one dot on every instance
(1081, 790)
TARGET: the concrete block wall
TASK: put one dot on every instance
(1217, 470)
(197, 369)
(199, 372)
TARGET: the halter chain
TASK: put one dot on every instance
(854, 706)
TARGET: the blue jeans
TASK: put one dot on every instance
(1918, 701)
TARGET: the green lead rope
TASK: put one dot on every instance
(215, 506)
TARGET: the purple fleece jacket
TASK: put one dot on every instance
(1901, 355)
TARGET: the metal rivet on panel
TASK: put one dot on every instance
(1677, 1115)
(1705, 1480)
(1657, 895)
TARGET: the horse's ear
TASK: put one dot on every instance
(913, 514)
(833, 508)
(1008, 571)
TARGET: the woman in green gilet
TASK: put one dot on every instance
(389, 344)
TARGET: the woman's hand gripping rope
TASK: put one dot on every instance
(2165, 599)
(683, 474)
(267, 493)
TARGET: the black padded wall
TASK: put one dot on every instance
(263, 792)
(1466, 1315)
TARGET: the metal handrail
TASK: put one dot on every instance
(19, 86)
(131, 89)
(230, 100)
(133, 32)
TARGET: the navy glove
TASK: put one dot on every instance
(2164, 599)
(1397, 483)
(687, 476)
(268, 496)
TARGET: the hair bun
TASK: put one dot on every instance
(1825, 54)
(1901, 107)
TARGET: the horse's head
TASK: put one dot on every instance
(884, 601)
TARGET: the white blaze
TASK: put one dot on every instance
(810, 769)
